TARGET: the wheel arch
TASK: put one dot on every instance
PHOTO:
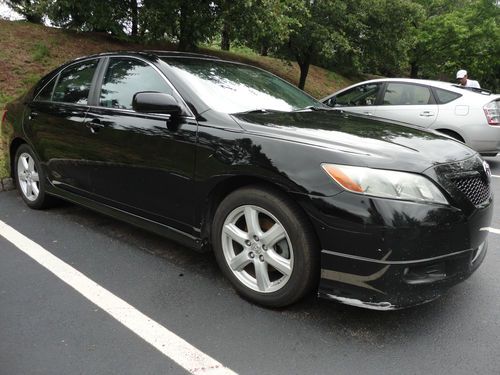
(452, 134)
(14, 145)
(223, 188)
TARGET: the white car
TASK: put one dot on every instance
(469, 115)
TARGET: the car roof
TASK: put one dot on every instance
(147, 54)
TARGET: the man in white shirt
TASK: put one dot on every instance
(464, 81)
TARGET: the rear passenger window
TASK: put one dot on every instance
(46, 93)
(74, 83)
(445, 96)
(406, 94)
(125, 77)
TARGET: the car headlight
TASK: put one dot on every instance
(385, 183)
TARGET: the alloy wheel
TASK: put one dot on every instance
(257, 249)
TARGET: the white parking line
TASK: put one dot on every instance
(491, 230)
(167, 342)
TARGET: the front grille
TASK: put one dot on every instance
(474, 188)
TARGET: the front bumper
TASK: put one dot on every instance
(391, 286)
(387, 254)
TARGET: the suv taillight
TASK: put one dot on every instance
(492, 112)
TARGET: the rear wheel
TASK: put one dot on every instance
(265, 246)
(29, 178)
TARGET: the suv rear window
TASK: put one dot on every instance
(445, 96)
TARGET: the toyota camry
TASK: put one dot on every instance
(292, 196)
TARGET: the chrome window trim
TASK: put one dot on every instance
(131, 111)
(177, 94)
(190, 114)
(65, 68)
(56, 79)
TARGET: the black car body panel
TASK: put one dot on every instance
(168, 175)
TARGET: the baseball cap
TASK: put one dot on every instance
(461, 73)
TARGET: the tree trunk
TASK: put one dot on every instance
(414, 69)
(225, 42)
(34, 18)
(304, 70)
(264, 48)
(185, 37)
(135, 16)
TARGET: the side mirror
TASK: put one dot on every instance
(155, 102)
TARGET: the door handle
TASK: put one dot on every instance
(32, 115)
(95, 125)
(426, 114)
(368, 113)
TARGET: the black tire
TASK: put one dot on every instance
(297, 250)
(41, 200)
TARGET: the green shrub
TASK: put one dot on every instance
(40, 52)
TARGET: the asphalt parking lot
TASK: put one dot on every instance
(200, 325)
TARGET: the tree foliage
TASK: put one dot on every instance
(32, 10)
(88, 15)
(186, 22)
(265, 25)
(421, 38)
(389, 35)
(463, 38)
(319, 33)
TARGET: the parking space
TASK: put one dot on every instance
(48, 327)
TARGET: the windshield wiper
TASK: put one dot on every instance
(261, 110)
(314, 108)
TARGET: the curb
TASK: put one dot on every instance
(6, 184)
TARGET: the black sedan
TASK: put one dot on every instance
(292, 196)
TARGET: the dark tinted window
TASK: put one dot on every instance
(445, 96)
(363, 95)
(46, 93)
(124, 78)
(406, 94)
(74, 83)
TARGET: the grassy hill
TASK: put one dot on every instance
(29, 51)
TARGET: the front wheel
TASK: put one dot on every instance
(265, 246)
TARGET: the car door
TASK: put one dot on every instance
(359, 99)
(144, 163)
(409, 103)
(54, 124)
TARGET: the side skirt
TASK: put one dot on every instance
(173, 234)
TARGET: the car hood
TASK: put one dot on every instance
(374, 142)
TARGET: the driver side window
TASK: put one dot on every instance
(125, 77)
(363, 95)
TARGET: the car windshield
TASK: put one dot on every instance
(234, 88)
